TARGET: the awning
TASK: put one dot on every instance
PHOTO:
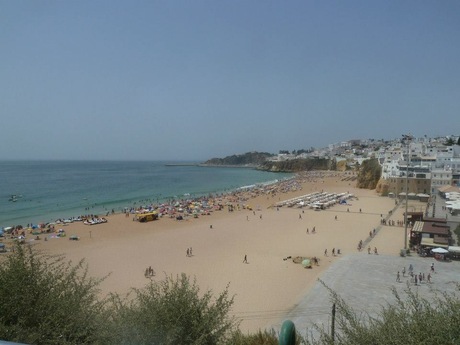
(454, 249)
(440, 250)
(446, 189)
(418, 226)
(421, 195)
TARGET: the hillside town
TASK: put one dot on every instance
(425, 170)
(427, 165)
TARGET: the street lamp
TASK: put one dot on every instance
(407, 139)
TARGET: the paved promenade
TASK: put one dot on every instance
(364, 281)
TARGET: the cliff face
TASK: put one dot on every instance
(382, 187)
(296, 165)
(249, 158)
(369, 174)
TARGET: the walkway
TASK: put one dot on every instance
(364, 282)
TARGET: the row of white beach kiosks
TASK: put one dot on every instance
(316, 200)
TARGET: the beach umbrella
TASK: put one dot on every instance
(306, 263)
(440, 250)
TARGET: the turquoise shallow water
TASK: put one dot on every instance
(47, 190)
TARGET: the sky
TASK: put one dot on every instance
(194, 80)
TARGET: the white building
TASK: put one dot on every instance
(440, 178)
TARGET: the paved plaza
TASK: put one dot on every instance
(365, 283)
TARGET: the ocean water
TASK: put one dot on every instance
(47, 190)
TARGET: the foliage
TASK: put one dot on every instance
(44, 300)
(266, 337)
(449, 142)
(249, 158)
(173, 311)
(259, 338)
(412, 320)
(369, 174)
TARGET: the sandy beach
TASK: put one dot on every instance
(267, 287)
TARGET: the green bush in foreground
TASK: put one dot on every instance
(44, 300)
(410, 321)
(266, 337)
(173, 311)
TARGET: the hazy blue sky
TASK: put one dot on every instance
(202, 79)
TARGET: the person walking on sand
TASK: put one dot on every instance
(245, 260)
(325, 252)
(398, 278)
(369, 250)
(375, 251)
(404, 271)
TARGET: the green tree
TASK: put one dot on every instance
(449, 142)
(173, 311)
(44, 300)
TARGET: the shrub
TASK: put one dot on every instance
(44, 300)
(173, 311)
(266, 337)
(412, 320)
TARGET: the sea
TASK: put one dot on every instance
(33, 192)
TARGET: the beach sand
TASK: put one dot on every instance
(267, 287)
